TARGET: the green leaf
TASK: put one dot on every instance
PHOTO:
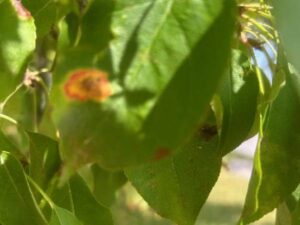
(178, 186)
(61, 216)
(44, 157)
(62, 197)
(139, 118)
(44, 13)
(91, 42)
(106, 183)
(287, 17)
(293, 204)
(296, 215)
(276, 170)
(17, 205)
(283, 215)
(86, 208)
(6, 145)
(239, 94)
(95, 26)
(127, 18)
(17, 42)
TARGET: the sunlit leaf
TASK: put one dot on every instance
(140, 116)
(17, 42)
(127, 18)
(44, 13)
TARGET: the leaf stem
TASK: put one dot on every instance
(43, 194)
(259, 75)
(8, 118)
(6, 100)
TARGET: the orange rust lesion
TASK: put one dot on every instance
(20, 9)
(88, 85)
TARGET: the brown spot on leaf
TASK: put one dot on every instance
(87, 84)
(208, 131)
(20, 9)
(161, 154)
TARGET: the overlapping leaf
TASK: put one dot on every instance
(276, 171)
(45, 159)
(140, 117)
(76, 202)
(86, 208)
(61, 216)
(106, 183)
(7, 145)
(44, 14)
(17, 205)
(239, 95)
(287, 17)
(178, 186)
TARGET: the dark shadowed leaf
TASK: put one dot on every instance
(106, 184)
(276, 171)
(61, 216)
(283, 215)
(17, 205)
(296, 214)
(44, 157)
(86, 208)
(239, 94)
(7, 145)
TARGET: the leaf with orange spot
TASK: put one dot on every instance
(183, 180)
(163, 87)
(87, 84)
